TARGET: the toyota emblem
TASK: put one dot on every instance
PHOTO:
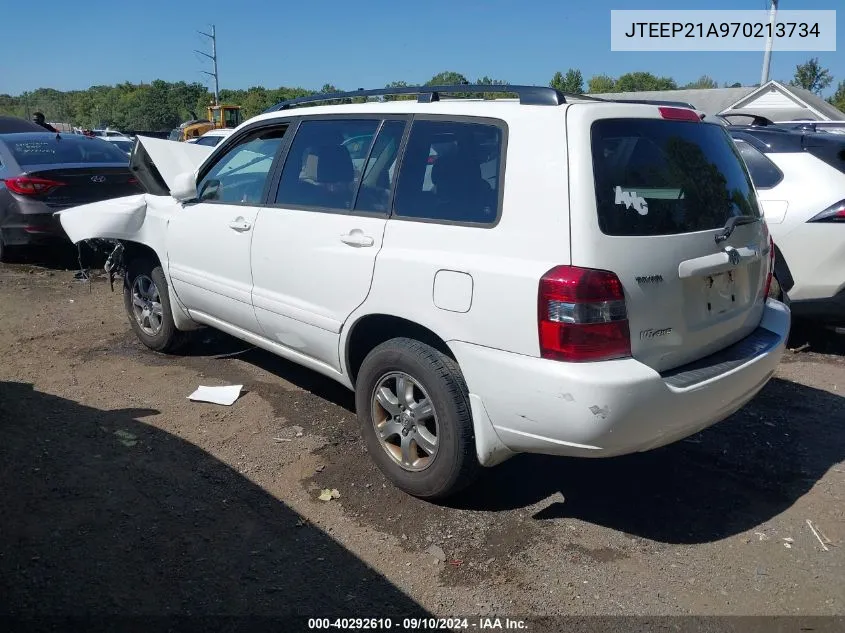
(98, 179)
(733, 256)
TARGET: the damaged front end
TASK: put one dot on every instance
(109, 225)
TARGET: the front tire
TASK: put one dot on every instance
(147, 302)
(413, 407)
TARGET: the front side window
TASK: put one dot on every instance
(764, 173)
(450, 172)
(325, 162)
(240, 175)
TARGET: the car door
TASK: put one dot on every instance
(315, 244)
(209, 240)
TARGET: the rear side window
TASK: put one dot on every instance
(764, 173)
(71, 148)
(450, 172)
(656, 177)
(325, 162)
(380, 172)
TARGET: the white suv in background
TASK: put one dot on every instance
(553, 274)
(800, 181)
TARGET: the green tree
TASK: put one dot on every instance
(736, 84)
(398, 84)
(447, 78)
(601, 83)
(837, 100)
(572, 81)
(704, 81)
(811, 76)
(643, 81)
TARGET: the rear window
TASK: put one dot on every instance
(656, 177)
(72, 148)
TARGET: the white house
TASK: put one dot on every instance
(772, 100)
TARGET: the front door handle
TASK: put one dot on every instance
(240, 225)
(356, 238)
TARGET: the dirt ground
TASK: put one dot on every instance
(119, 495)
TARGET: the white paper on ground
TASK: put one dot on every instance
(217, 395)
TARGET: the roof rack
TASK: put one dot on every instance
(528, 95)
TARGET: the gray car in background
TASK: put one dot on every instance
(43, 172)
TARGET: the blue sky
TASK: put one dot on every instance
(357, 44)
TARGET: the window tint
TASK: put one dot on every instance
(241, 173)
(764, 173)
(325, 162)
(70, 148)
(656, 177)
(450, 172)
(209, 141)
(380, 172)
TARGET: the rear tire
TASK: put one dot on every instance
(422, 439)
(147, 302)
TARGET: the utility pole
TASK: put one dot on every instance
(767, 57)
(213, 57)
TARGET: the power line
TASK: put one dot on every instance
(213, 57)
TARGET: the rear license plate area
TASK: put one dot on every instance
(720, 293)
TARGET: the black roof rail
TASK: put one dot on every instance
(528, 95)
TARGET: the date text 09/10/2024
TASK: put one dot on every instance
(418, 624)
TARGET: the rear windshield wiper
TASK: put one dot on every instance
(732, 223)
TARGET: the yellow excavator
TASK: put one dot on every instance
(219, 117)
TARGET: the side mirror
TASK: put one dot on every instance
(184, 187)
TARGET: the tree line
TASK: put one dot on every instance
(162, 105)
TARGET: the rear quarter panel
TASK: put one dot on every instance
(505, 261)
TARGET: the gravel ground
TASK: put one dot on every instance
(122, 496)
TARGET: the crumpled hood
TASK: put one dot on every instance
(172, 158)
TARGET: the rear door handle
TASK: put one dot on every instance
(240, 225)
(356, 237)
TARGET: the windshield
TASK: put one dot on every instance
(656, 177)
(50, 150)
(125, 146)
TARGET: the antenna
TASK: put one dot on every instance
(767, 57)
(213, 57)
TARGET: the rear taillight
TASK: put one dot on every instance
(28, 186)
(132, 181)
(678, 114)
(771, 271)
(834, 213)
(581, 315)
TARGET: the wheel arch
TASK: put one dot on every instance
(135, 249)
(371, 330)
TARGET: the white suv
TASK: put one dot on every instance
(553, 274)
(800, 182)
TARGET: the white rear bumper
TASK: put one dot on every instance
(615, 407)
